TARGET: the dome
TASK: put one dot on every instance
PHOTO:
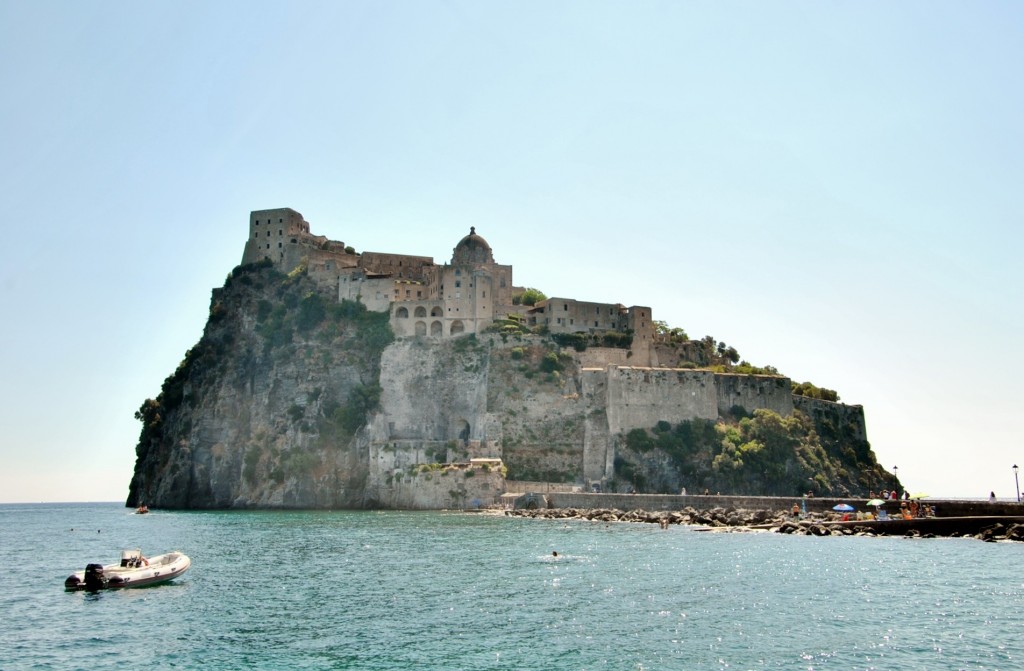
(472, 249)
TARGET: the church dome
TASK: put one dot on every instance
(472, 249)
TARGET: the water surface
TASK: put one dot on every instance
(404, 590)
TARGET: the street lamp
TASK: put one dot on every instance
(1016, 481)
(896, 475)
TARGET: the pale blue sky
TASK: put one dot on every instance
(832, 188)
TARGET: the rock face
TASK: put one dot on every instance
(292, 399)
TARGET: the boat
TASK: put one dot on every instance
(134, 570)
(142, 510)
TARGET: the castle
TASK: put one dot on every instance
(455, 419)
(427, 299)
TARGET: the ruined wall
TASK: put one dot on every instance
(754, 391)
(374, 293)
(399, 266)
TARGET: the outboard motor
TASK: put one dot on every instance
(94, 579)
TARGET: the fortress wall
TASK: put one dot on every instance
(598, 451)
(754, 391)
(849, 416)
(440, 489)
(638, 398)
(602, 357)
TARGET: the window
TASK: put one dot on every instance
(278, 221)
(458, 271)
(280, 232)
(280, 245)
(565, 307)
(458, 284)
(485, 295)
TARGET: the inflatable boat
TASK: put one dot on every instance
(134, 570)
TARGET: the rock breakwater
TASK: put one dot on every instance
(990, 529)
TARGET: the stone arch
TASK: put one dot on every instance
(436, 311)
(462, 430)
(421, 328)
(402, 313)
(436, 329)
(457, 327)
(421, 311)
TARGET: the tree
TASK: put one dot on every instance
(531, 296)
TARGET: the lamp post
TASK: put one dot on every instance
(896, 476)
(1016, 481)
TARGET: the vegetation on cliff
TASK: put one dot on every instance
(760, 454)
(261, 322)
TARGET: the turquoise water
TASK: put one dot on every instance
(395, 590)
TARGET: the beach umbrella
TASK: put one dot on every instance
(876, 502)
(919, 495)
(843, 508)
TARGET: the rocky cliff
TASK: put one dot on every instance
(292, 399)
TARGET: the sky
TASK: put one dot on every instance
(834, 189)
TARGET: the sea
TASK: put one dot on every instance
(475, 591)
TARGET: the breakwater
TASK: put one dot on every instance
(815, 517)
(943, 507)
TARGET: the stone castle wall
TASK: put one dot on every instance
(638, 398)
(754, 391)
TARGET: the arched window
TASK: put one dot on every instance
(421, 311)
(402, 313)
(421, 328)
(436, 329)
(457, 327)
(436, 311)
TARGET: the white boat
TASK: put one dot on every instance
(133, 570)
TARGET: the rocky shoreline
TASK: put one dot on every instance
(989, 529)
